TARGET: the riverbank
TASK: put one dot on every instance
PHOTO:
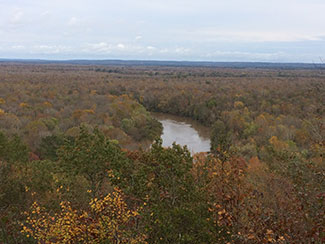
(184, 131)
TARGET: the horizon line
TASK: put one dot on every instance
(156, 60)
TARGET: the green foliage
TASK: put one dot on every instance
(17, 151)
(49, 146)
(40, 177)
(12, 149)
(3, 145)
(91, 155)
(12, 191)
(50, 123)
(220, 138)
(174, 210)
(250, 130)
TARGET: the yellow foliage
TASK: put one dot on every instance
(23, 105)
(2, 101)
(108, 219)
(89, 111)
(238, 104)
(2, 112)
(261, 120)
(278, 144)
(47, 104)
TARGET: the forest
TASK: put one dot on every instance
(75, 166)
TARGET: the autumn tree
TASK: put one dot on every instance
(106, 220)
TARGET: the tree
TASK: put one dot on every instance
(107, 220)
(13, 149)
(174, 211)
(49, 146)
(91, 155)
(220, 139)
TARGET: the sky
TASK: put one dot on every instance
(191, 30)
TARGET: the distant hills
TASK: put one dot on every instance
(238, 65)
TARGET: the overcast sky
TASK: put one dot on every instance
(210, 30)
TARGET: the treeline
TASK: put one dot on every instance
(252, 109)
(36, 103)
(262, 182)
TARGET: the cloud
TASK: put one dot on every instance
(73, 21)
(50, 49)
(120, 46)
(182, 50)
(164, 29)
(132, 50)
(245, 55)
(101, 47)
(138, 38)
(164, 50)
(16, 17)
(250, 36)
(18, 47)
(45, 13)
(104, 47)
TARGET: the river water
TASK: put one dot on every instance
(184, 131)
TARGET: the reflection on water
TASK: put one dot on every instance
(183, 131)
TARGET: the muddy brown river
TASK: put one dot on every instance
(184, 131)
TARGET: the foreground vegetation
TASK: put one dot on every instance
(68, 174)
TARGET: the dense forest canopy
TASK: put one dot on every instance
(73, 171)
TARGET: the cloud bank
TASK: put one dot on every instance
(232, 30)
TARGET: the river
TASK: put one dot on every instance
(184, 131)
